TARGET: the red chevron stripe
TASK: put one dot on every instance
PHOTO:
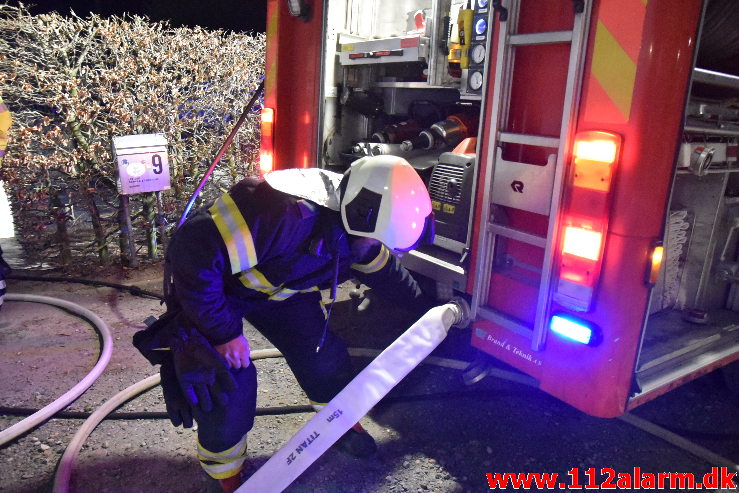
(627, 29)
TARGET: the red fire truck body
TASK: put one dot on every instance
(580, 161)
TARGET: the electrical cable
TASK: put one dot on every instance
(72, 394)
(134, 290)
(134, 415)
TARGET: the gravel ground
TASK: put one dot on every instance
(434, 434)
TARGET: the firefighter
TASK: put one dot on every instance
(5, 122)
(262, 252)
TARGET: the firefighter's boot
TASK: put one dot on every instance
(226, 485)
(229, 485)
(357, 442)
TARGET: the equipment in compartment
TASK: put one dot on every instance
(450, 189)
(389, 50)
(473, 76)
(677, 241)
(397, 132)
(446, 133)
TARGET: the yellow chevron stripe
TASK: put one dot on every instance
(614, 70)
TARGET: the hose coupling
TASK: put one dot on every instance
(461, 310)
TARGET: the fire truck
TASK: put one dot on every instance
(581, 158)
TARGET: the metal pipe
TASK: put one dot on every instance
(221, 152)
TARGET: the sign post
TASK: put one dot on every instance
(143, 166)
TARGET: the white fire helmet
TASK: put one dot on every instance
(382, 197)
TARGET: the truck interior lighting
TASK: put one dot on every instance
(597, 146)
(575, 330)
(581, 242)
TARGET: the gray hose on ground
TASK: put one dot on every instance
(66, 463)
(60, 403)
(454, 364)
(701, 452)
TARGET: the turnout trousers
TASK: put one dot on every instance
(295, 327)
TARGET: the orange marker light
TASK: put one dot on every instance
(656, 264)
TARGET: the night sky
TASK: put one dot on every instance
(235, 15)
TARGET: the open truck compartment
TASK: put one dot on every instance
(400, 79)
(487, 101)
(694, 307)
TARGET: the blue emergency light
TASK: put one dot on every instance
(575, 330)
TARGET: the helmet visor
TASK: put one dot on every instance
(426, 237)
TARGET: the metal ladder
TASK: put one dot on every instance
(497, 187)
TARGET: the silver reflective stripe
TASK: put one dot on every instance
(222, 471)
(236, 451)
(253, 279)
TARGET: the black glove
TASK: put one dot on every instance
(202, 373)
(178, 409)
(154, 342)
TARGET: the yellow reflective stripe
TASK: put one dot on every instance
(253, 279)
(223, 471)
(317, 406)
(235, 233)
(323, 309)
(236, 451)
(285, 293)
(377, 264)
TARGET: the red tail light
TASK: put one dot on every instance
(266, 150)
(585, 219)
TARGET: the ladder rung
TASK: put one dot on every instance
(518, 235)
(504, 321)
(532, 140)
(540, 38)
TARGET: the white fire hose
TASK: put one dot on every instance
(72, 394)
(357, 398)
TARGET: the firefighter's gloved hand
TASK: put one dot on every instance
(178, 409)
(202, 373)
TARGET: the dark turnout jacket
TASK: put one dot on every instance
(257, 245)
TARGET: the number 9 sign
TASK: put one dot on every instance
(143, 165)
